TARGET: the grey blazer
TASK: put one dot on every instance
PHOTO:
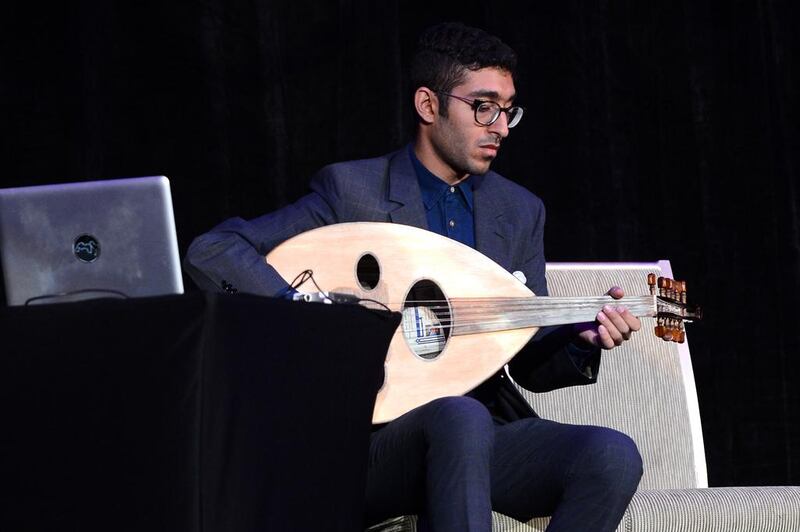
(509, 229)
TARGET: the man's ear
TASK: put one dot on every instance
(426, 104)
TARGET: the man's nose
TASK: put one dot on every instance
(500, 126)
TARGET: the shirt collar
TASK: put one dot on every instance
(432, 187)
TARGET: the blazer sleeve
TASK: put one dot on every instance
(232, 254)
(552, 359)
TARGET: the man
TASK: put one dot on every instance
(455, 459)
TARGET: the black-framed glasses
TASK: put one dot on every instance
(487, 112)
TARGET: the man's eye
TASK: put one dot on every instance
(485, 107)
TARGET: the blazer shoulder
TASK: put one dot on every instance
(356, 190)
(360, 170)
(510, 193)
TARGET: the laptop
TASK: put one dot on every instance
(73, 241)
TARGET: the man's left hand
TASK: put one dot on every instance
(614, 324)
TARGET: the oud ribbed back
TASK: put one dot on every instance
(645, 387)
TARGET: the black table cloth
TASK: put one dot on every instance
(199, 412)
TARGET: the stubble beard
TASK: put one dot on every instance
(455, 152)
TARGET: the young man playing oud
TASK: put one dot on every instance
(453, 460)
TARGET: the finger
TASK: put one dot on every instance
(591, 336)
(612, 322)
(604, 337)
(634, 324)
(617, 321)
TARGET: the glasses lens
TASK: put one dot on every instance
(514, 116)
(486, 113)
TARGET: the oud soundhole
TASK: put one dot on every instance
(368, 272)
(426, 320)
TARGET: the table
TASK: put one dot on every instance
(199, 412)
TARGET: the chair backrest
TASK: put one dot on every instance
(645, 388)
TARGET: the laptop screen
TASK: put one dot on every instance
(111, 238)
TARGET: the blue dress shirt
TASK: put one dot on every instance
(448, 208)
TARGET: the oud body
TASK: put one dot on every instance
(464, 316)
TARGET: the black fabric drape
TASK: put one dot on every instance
(199, 412)
(653, 130)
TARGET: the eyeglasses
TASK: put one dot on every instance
(487, 112)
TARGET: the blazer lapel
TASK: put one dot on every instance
(493, 233)
(404, 194)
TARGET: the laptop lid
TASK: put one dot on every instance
(74, 241)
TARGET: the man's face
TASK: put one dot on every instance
(463, 145)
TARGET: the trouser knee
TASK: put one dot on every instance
(460, 421)
(612, 458)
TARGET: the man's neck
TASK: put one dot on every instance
(430, 160)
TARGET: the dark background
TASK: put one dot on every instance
(653, 130)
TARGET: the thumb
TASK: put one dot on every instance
(616, 292)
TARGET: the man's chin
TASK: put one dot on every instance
(474, 166)
(482, 167)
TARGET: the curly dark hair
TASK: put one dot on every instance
(446, 51)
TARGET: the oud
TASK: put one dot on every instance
(464, 316)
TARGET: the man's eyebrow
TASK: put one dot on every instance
(486, 93)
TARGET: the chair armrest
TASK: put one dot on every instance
(739, 509)
(729, 509)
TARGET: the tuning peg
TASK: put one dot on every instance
(669, 288)
(664, 286)
(668, 334)
(671, 334)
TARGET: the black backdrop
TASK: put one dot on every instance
(653, 130)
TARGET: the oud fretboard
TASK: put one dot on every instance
(471, 316)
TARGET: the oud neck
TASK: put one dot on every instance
(471, 316)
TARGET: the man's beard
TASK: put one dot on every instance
(461, 162)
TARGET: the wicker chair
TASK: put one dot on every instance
(646, 389)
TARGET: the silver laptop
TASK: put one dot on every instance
(112, 238)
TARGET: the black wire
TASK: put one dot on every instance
(307, 275)
(301, 279)
(297, 282)
(311, 276)
(365, 299)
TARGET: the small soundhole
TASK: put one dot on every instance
(368, 272)
(426, 320)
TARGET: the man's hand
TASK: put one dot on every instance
(614, 324)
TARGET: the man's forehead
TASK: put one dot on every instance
(491, 94)
(494, 83)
